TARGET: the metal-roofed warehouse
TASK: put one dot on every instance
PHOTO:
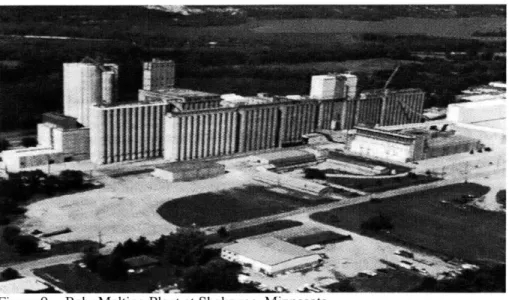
(285, 158)
(296, 184)
(270, 255)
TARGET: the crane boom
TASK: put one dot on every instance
(391, 77)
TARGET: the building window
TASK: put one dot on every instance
(68, 159)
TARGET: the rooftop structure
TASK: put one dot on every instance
(86, 83)
(232, 100)
(158, 74)
(60, 120)
(333, 86)
(181, 99)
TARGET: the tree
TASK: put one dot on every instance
(71, 179)
(4, 145)
(222, 232)
(112, 268)
(91, 258)
(28, 142)
(26, 244)
(184, 247)
(500, 196)
(10, 274)
(216, 275)
(10, 234)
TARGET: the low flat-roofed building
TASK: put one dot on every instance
(18, 159)
(293, 183)
(442, 146)
(56, 144)
(25, 285)
(270, 255)
(188, 170)
(284, 158)
(409, 144)
(476, 112)
(60, 120)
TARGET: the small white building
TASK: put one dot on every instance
(270, 255)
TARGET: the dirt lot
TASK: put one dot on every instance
(126, 207)
(422, 219)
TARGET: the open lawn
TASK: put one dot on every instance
(422, 220)
(73, 279)
(254, 230)
(226, 206)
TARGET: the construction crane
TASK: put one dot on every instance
(385, 94)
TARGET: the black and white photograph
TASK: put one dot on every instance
(264, 149)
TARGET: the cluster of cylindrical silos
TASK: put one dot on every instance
(126, 132)
(88, 83)
(391, 108)
(216, 132)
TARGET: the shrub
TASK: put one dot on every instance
(222, 232)
(112, 268)
(26, 244)
(10, 274)
(10, 234)
(377, 223)
(501, 197)
(71, 179)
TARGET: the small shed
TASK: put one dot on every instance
(140, 264)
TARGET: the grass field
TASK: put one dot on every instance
(376, 185)
(74, 279)
(422, 220)
(253, 230)
(209, 209)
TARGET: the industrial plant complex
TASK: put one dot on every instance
(180, 124)
(263, 177)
